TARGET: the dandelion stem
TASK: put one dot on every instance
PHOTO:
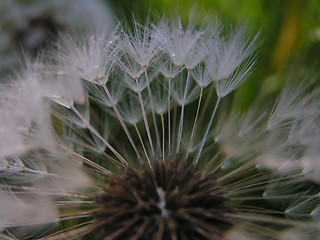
(237, 170)
(80, 229)
(269, 219)
(195, 123)
(116, 111)
(180, 129)
(263, 198)
(253, 178)
(88, 161)
(145, 120)
(95, 132)
(141, 141)
(72, 202)
(169, 118)
(163, 135)
(257, 186)
(196, 159)
(152, 111)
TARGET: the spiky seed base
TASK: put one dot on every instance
(167, 201)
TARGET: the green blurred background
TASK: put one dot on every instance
(290, 29)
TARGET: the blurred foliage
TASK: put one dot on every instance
(289, 29)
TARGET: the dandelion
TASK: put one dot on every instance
(130, 135)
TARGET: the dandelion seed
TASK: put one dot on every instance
(129, 136)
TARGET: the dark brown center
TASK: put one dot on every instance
(167, 201)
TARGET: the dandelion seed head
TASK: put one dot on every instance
(131, 134)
